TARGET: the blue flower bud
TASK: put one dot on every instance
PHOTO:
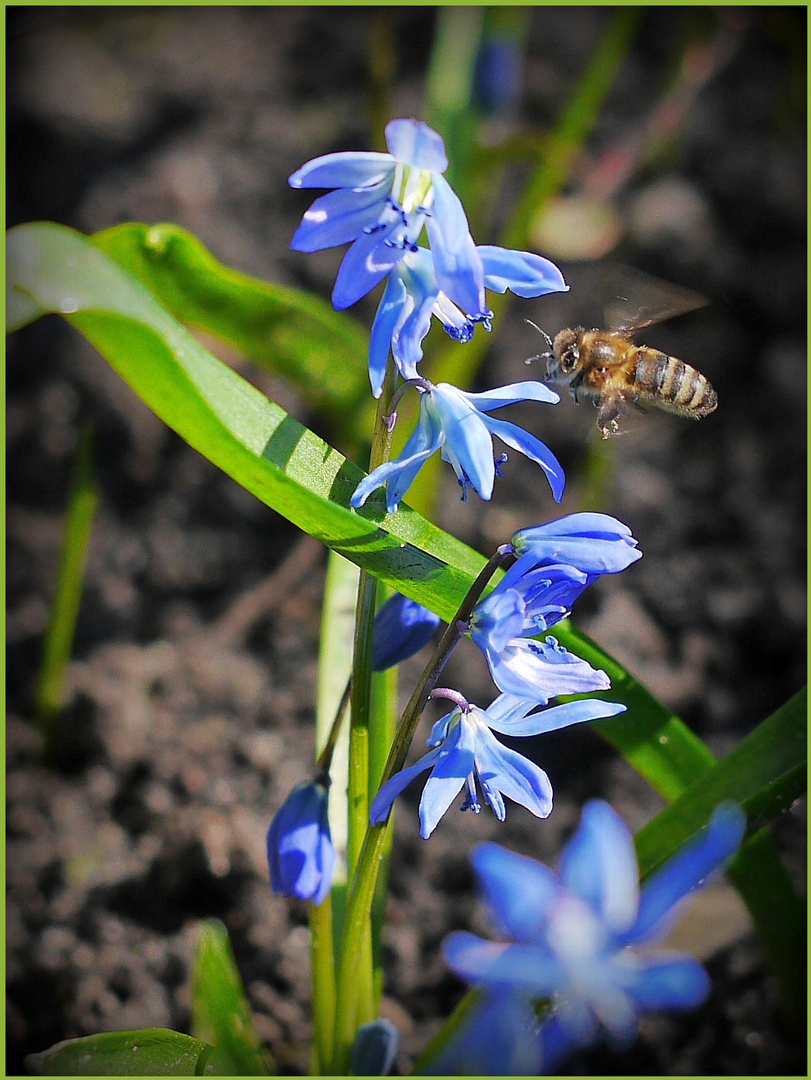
(402, 627)
(375, 1048)
(300, 852)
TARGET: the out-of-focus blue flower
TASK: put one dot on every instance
(465, 752)
(500, 1037)
(300, 852)
(497, 78)
(413, 295)
(381, 203)
(556, 562)
(375, 1048)
(401, 628)
(569, 932)
(592, 543)
(458, 424)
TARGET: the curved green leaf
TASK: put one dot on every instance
(765, 774)
(293, 332)
(152, 1052)
(54, 269)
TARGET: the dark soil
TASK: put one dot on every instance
(191, 692)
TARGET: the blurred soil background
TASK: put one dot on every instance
(191, 694)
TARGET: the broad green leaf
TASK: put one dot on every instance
(54, 269)
(293, 332)
(153, 1052)
(220, 1011)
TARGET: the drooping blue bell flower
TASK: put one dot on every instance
(413, 296)
(571, 934)
(301, 856)
(401, 628)
(459, 424)
(592, 543)
(466, 754)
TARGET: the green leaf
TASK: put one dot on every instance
(153, 1052)
(55, 269)
(765, 773)
(58, 644)
(292, 332)
(220, 1010)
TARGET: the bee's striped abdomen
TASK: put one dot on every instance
(671, 384)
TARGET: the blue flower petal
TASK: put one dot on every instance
(457, 264)
(466, 436)
(401, 628)
(531, 969)
(599, 865)
(301, 857)
(366, 263)
(511, 394)
(388, 314)
(686, 870)
(532, 448)
(422, 443)
(594, 543)
(559, 716)
(381, 804)
(669, 983)
(519, 913)
(500, 769)
(499, 1038)
(532, 668)
(497, 619)
(522, 272)
(416, 144)
(339, 218)
(345, 170)
(455, 764)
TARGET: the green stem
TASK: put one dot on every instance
(371, 855)
(322, 957)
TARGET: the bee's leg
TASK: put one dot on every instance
(574, 386)
(608, 419)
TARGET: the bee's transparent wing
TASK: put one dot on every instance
(639, 300)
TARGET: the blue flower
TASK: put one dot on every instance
(465, 752)
(380, 206)
(458, 424)
(570, 932)
(556, 563)
(401, 628)
(413, 295)
(300, 852)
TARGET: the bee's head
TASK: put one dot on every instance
(562, 362)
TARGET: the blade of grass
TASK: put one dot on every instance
(50, 692)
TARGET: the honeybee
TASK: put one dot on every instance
(607, 368)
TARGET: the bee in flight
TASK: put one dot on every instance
(607, 368)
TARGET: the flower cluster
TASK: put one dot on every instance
(554, 563)
(571, 941)
(571, 935)
(380, 205)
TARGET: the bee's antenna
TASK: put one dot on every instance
(543, 333)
